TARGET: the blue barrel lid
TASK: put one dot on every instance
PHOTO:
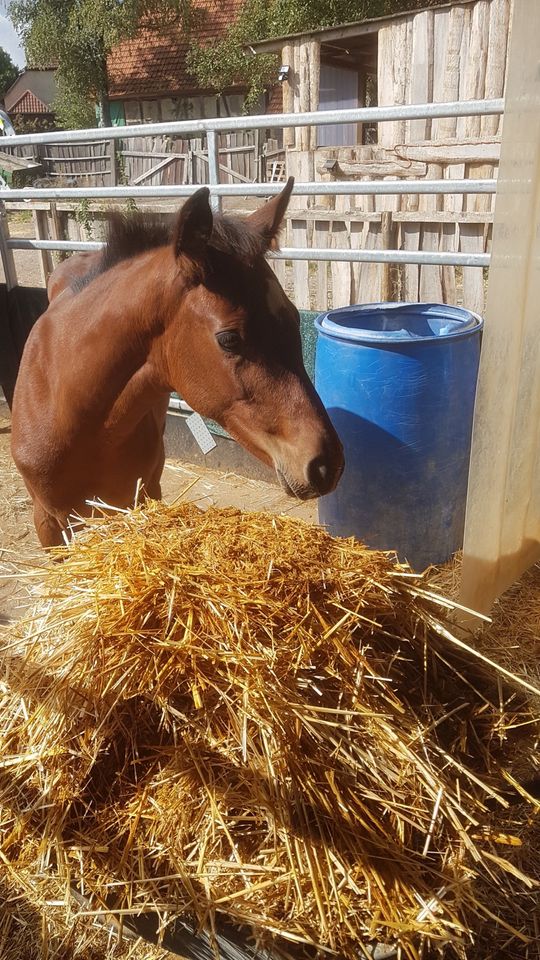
(392, 322)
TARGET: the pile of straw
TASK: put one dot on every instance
(235, 716)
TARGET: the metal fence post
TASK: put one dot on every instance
(8, 262)
(213, 168)
(113, 178)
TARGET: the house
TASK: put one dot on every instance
(31, 96)
(148, 77)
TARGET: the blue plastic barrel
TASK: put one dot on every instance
(399, 383)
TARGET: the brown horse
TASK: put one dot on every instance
(66, 274)
(198, 311)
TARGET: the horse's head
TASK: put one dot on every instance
(233, 347)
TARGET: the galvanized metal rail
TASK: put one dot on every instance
(211, 128)
(272, 121)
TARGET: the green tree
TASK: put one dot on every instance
(8, 71)
(219, 65)
(77, 36)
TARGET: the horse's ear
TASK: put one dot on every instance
(193, 226)
(267, 220)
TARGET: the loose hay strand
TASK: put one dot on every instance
(228, 716)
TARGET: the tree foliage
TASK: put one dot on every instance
(77, 37)
(219, 65)
(8, 71)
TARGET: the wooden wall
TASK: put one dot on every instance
(453, 53)
(152, 161)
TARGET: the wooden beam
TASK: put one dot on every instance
(287, 87)
(502, 527)
(443, 216)
(357, 169)
(450, 151)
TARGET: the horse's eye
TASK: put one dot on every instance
(230, 341)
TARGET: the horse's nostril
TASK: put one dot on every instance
(320, 475)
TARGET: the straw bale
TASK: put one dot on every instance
(226, 716)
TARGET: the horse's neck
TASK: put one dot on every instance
(114, 374)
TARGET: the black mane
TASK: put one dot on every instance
(131, 234)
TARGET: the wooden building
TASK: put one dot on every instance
(455, 51)
(149, 79)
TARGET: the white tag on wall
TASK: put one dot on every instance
(201, 432)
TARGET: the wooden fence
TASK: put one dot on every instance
(320, 285)
(244, 157)
(452, 53)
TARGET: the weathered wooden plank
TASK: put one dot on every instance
(475, 67)
(387, 201)
(357, 231)
(454, 203)
(502, 531)
(476, 150)
(314, 60)
(386, 244)
(480, 202)
(287, 88)
(321, 240)
(410, 273)
(385, 84)
(442, 216)
(300, 269)
(303, 134)
(318, 214)
(432, 201)
(355, 169)
(441, 23)
(300, 165)
(430, 276)
(395, 45)
(448, 242)
(340, 272)
(471, 240)
(448, 83)
(463, 61)
(345, 203)
(499, 22)
(421, 79)
(370, 274)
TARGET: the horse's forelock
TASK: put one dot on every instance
(130, 235)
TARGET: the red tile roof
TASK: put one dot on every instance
(29, 103)
(154, 63)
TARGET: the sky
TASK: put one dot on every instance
(10, 41)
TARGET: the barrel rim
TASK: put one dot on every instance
(327, 326)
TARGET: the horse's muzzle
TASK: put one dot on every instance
(322, 476)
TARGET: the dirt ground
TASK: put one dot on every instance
(19, 546)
